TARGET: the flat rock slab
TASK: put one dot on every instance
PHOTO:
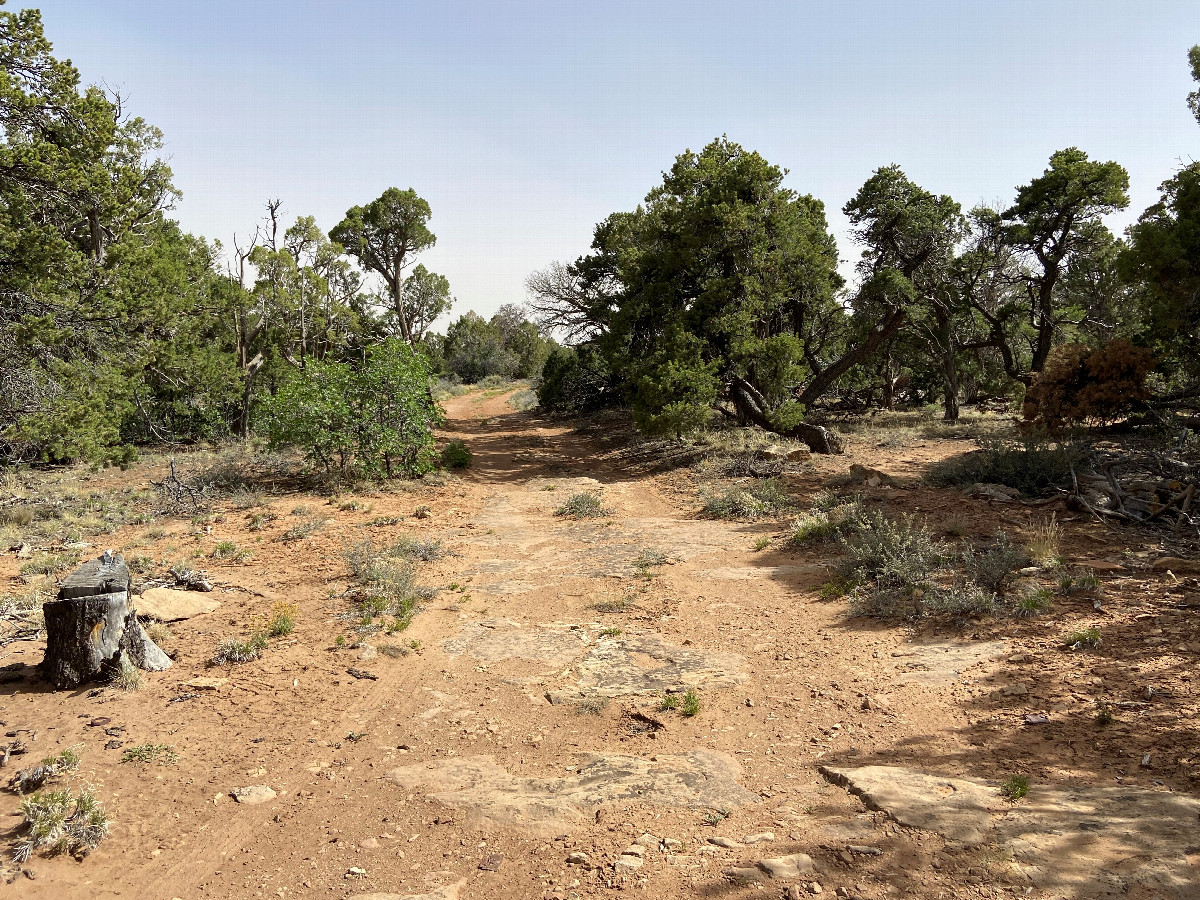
(448, 892)
(697, 779)
(1085, 841)
(492, 640)
(252, 795)
(167, 605)
(638, 664)
(944, 661)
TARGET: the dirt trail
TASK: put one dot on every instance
(527, 728)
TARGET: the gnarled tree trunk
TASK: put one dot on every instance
(750, 404)
(91, 628)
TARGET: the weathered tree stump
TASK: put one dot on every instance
(91, 627)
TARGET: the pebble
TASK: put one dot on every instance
(628, 864)
(578, 858)
(865, 851)
(355, 872)
(764, 837)
(744, 874)
(255, 793)
(727, 843)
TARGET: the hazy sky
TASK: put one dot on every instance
(525, 123)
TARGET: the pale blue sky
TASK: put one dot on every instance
(524, 123)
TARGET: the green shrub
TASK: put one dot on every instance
(283, 619)
(456, 455)
(241, 650)
(371, 419)
(827, 520)
(1031, 465)
(575, 381)
(1014, 788)
(756, 500)
(61, 823)
(582, 506)
(992, 565)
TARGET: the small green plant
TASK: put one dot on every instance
(415, 645)
(715, 817)
(761, 498)
(230, 551)
(762, 543)
(163, 754)
(456, 455)
(49, 563)
(1104, 714)
(591, 706)
(61, 823)
(610, 632)
(159, 633)
(612, 606)
(991, 565)
(241, 650)
(668, 702)
(128, 677)
(1043, 543)
(1083, 639)
(302, 530)
(384, 521)
(1032, 604)
(302, 510)
(340, 641)
(690, 705)
(1081, 581)
(955, 526)
(259, 521)
(51, 767)
(354, 506)
(1014, 788)
(424, 511)
(283, 619)
(582, 506)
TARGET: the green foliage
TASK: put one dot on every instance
(1083, 639)
(283, 619)
(585, 505)
(370, 420)
(61, 822)
(756, 500)
(690, 705)
(575, 380)
(163, 754)
(506, 346)
(240, 650)
(990, 566)
(1014, 788)
(1031, 465)
(456, 455)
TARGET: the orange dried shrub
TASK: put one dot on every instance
(1085, 385)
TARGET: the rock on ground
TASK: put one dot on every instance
(697, 779)
(1084, 840)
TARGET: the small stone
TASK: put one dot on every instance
(1101, 565)
(627, 864)
(863, 850)
(749, 701)
(368, 652)
(29, 873)
(578, 858)
(672, 844)
(1019, 658)
(254, 794)
(727, 843)
(816, 888)
(1014, 690)
(369, 844)
(634, 850)
(649, 841)
(786, 867)
(764, 837)
(799, 454)
(491, 863)
(355, 872)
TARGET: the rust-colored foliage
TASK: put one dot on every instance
(1081, 385)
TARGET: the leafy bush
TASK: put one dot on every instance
(283, 619)
(825, 522)
(575, 381)
(1081, 384)
(240, 650)
(1031, 465)
(456, 455)
(992, 565)
(756, 500)
(371, 420)
(61, 823)
(582, 506)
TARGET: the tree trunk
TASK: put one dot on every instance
(861, 351)
(749, 404)
(90, 628)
